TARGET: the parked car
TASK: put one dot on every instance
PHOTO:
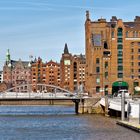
(126, 92)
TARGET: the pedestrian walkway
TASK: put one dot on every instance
(132, 124)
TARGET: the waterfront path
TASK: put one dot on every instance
(132, 124)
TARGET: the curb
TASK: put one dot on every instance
(129, 125)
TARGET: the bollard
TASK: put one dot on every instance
(123, 106)
(128, 110)
(106, 106)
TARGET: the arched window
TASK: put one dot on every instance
(112, 34)
(127, 34)
(134, 34)
(105, 45)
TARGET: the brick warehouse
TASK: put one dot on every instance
(112, 55)
(45, 73)
(72, 70)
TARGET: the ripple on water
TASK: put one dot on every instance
(58, 123)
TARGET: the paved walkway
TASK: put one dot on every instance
(132, 124)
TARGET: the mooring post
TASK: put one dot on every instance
(123, 106)
(76, 106)
(106, 106)
(82, 105)
(128, 110)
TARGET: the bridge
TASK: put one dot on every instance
(39, 94)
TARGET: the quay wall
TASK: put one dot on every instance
(91, 106)
(36, 102)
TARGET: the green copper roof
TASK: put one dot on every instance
(8, 56)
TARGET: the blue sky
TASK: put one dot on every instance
(42, 27)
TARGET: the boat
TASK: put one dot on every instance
(114, 104)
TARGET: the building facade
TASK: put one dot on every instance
(45, 73)
(53, 73)
(16, 73)
(38, 69)
(72, 70)
(1, 76)
(65, 65)
(112, 55)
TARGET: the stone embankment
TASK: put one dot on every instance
(91, 106)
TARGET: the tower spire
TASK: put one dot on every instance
(66, 51)
(8, 56)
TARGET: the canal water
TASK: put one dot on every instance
(58, 123)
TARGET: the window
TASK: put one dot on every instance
(132, 70)
(120, 53)
(97, 80)
(112, 34)
(97, 89)
(135, 34)
(106, 65)
(97, 61)
(119, 32)
(120, 60)
(120, 75)
(139, 57)
(120, 40)
(106, 89)
(105, 45)
(97, 69)
(132, 63)
(106, 75)
(138, 63)
(120, 68)
(138, 50)
(136, 84)
(132, 44)
(127, 33)
(139, 70)
(132, 57)
(132, 50)
(120, 47)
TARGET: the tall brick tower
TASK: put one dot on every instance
(112, 55)
(65, 68)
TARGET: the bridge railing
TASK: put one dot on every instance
(32, 95)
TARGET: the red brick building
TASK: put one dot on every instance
(16, 72)
(45, 73)
(112, 55)
(53, 73)
(72, 70)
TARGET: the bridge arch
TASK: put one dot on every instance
(39, 88)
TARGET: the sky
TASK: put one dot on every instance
(42, 27)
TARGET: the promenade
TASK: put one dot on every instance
(131, 123)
